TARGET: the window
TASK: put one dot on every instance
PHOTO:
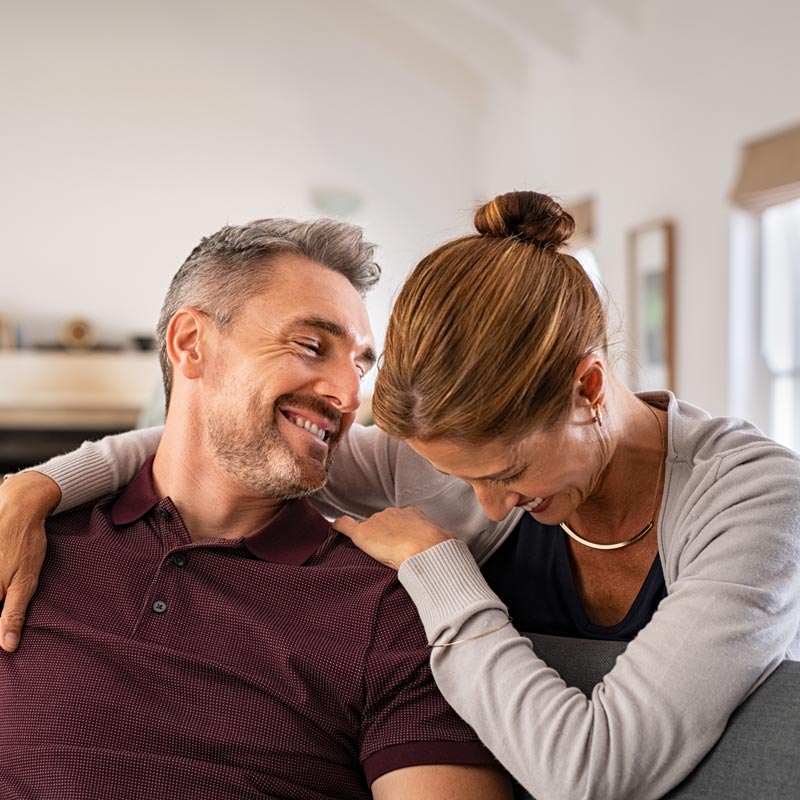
(583, 212)
(586, 258)
(780, 318)
(765, 287)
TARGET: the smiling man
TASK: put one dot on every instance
(204, 633)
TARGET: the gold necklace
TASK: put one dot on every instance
(647, 528)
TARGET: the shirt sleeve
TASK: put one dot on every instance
(406, 721)
(100, 467)
(731, 616)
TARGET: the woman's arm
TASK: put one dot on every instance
(731, 616)
(372, 471)
(95, 469)
(22, 547)
(100, 467)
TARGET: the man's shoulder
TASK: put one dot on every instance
(337, 552)
(371, 589)
(78, 518)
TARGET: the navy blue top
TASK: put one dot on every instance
(531, 574)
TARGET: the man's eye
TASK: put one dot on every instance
(310, 346)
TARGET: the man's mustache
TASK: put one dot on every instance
(315, 404)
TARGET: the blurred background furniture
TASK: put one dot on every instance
(50, 401)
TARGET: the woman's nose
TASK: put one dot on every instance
(496, 502)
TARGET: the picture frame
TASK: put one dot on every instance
(651, 306)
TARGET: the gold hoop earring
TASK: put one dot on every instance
(597, 416)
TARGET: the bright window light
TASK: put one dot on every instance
(780, 318)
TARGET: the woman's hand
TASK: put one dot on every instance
(25, 501)
(393, 535)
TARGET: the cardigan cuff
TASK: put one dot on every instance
(80, 479)
(447, 587)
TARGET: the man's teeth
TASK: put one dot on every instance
(537, 501)
(301, 422)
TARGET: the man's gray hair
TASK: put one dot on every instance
(227, 268)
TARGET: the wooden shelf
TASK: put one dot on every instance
(74, 390)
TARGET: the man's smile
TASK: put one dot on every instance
(318, 426)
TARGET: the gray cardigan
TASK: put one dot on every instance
(729, 543)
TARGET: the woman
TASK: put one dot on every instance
(619, 516)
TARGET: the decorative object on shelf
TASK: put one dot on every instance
(8, 335)
(52, 400)
(78, 334)
(651, 306)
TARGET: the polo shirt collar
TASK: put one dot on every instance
(291, 537)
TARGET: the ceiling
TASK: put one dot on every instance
(490, 40)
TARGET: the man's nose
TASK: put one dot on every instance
(496, 501)
(341, 386)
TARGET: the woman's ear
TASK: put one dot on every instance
(589, 381)
(185, 341)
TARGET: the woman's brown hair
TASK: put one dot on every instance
(488, 329)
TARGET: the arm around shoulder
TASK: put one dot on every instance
(373, 471)
(100, 467)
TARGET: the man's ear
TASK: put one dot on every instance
(589, 380)
(186, 341)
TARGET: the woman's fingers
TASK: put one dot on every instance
(19, 577)
(393, 535)
(374, 540)
(346, 525)
(25, 501)
(17, 596)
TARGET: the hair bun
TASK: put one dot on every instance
(531, 216)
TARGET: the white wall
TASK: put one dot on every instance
(649, 119)
(129, 130)
(132, 129)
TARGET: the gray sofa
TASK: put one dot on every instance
(758, 756)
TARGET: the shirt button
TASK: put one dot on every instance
(159, 606)
(179, 560)
(163, 513)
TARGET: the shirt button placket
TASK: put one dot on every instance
(164, 515)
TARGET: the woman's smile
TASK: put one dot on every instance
(538, 505)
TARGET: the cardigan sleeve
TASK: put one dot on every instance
(730, 617)
(370, 471)
(100, 467)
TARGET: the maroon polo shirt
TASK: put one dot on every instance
(287, 664)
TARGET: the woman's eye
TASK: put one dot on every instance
(508, 481)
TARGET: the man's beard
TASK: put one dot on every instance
(252, 450)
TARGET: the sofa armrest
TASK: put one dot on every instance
(758, 756)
